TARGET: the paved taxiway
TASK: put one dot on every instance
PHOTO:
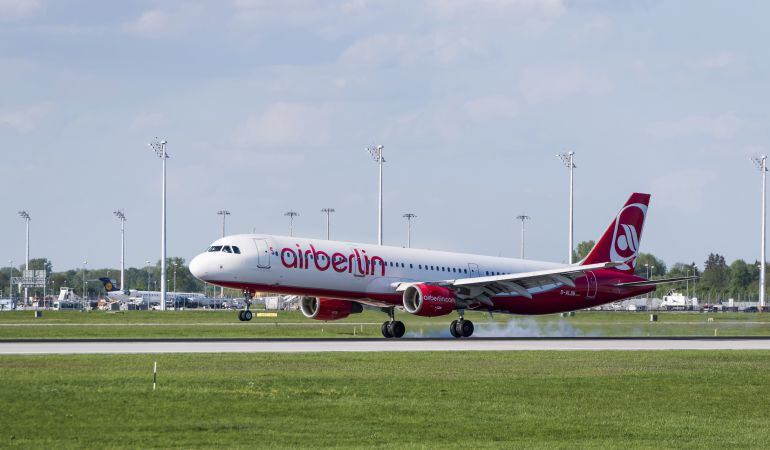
(371, 345)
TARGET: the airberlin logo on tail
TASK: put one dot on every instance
(356, 262)
(625, 239)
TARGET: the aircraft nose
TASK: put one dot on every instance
(198, 267)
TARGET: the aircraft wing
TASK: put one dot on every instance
(483, 288)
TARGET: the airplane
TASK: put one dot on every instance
(115, 294)
(336, 278)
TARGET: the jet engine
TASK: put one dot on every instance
(328, 308)
(429, 301)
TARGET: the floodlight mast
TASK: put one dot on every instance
(224, 213)
(376, 153)
(25, 215)
(409, 217)
(761, 163)
(523, 218)
(569, 161)
(291, 215)
(121, 215)
(328, 212)
(160, 151)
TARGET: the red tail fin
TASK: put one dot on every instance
(620, 243)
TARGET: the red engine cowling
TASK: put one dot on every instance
(429, 301)
(328, 308)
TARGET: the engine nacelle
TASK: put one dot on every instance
(429, 301)
(328, 308)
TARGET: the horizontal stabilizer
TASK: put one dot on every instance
(656, 282)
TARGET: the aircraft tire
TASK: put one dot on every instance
(453, 329)
(240, 316)
(247, 315)
(386, 330)
(466, 327)
(396, 328)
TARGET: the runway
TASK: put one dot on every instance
(373, 345)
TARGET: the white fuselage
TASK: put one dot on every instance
(334, 269)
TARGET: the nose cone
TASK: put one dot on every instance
(198, 267)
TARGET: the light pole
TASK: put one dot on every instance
(160, 151)
(376, 153)
(761, 163)
(328, 212)
(120, 215)
(409, 217)
(10, 275)
(85, 294)
(176, 264)
(291, 215)
(569, 161)
(224, 213)
(523, 218)
(148, 285)
(25, 215)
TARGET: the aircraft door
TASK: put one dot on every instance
(263, 253)
(592, 285)
(473, 270)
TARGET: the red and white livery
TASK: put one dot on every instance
(337, 278)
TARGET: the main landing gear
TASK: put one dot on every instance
(245, 315)
(393, 328)
(461, 328)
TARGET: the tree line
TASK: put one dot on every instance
(717, 279)
(141, 278)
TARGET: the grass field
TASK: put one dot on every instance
(570, 400)
(224, 324)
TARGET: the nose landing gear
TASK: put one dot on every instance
(245, 315)
(393, 328)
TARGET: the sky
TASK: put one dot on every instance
(269, 106)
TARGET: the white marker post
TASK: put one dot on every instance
(154, 375)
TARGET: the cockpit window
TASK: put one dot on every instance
(215, 248)
(226, 249)
(236, 250)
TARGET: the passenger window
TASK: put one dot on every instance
(226, 249)
(411, 266)
(236, 250)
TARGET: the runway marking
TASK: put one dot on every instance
(374, 345)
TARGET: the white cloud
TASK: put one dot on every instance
(286, 124)
(520, 9)
(438, 47)
(19, 9)
(24, 120)
(147, 119)
(555, 84)
(151, 23)
(685, 189)
(723, 126)
(722, 60)
(495, 107)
